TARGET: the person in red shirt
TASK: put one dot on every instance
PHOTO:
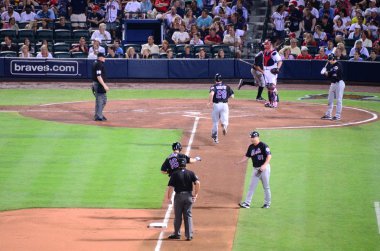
(322, 54)
(162, 6)
(213, 38)
(304, 53)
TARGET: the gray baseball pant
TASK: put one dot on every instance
(183, 203)
(259, 77)
(264, 177)
(100, 102)
(219, 111)
(336, 92)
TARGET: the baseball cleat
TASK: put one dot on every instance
(325, 117)
(240, 84)
(174, 237)
(335, 118)
(266, 206)
(260, 99)
(215, 138)
(224, 130)
(104, 118)
(244, 205)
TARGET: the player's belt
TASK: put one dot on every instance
(220, 102)
(185, 192)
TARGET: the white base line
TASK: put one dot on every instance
(170, 207)
(377, 210)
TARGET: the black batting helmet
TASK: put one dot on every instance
(254, 134)
(218, 77)
(331, 56)
(177, 146)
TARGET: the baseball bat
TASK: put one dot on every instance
(246, 62)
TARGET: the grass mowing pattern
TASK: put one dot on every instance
(47, 164)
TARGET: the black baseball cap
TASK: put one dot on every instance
(254, 134)
(101, 55)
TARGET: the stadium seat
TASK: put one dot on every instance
(25, 33)
(78, 54)
(9, 33)
(38, 47)
(226, 49)
(77, 34)
(163, 55)
(204, 46)
(180, 48)
(21, 25)
(8, 54)
(62, 47)
(62, 54)
(313, 50)
(44, 35)
(137, 47)
(62, 35)
(349, 42)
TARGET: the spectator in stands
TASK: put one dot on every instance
(94, 18)
(237, 23)
(327, 25)
(327, 9)
(313, 10)
(118, 50)
(146, 8)
(374, 16)
(195, 8)
(309, 40)
(278, 20)
(342, 15)
(189, 19)
(32, 25)
(78, 10)
(320, 36)
(171, 15)
(239, 8)
(81, 46)
(304, 53)
(376, 46)
(170, 54)
(62, 24)
(132, 9)
(220, 54)
(360, 22)
(11, 25)
(371, 5)
(373, 57)
(339, 56)
(219, 28)
(196, 40)
(202, 54)
(373, 27)
(96, 47)
(153, 48)
(25, 52)
(187, 53)
(161, 6)
(222, 5)
(175, 26)
(342, 49)
(111, 52)
(44, 52)
(30, 46)
(180, 7)
(212, 38)
(112, 9)
(233, 41)
(295, 18)
(308, 22)
(44, 25)
(294, 49)
(286, 53)
(339, 28)
(131, 53)
(62, 7)
(28, 15)
(356, 34)
(358, 15)
(27, 3)
(8, 45)
(322, 54)
(145, 53)
(366, 41)
(45, 14)
(164, 46)
(101, 34)
(356, 56)
(6, 15)
(181, 36)
(363, 52)
(204, 22)
(330, 47)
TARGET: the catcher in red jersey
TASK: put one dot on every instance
(272, 65)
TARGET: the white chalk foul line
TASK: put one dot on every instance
(377, 210)
(170, 206)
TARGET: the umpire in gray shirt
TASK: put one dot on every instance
(182, 182)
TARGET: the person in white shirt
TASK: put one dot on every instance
(278, 20)
(132, 8)
(233, 40)
(171, 15)
(25, 52)
(44, 53)
(222, 4)
(96, 48)
(153, 48)
(181, 36)
(112, 7)
(196, 40)
(359, 47)
(365, 41)
(101, 34)
(10, 13)
(28, 15)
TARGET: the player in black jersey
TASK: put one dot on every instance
(99, 87)
(172, 162)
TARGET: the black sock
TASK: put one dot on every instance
(260, 91)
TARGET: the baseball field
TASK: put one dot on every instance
(70, 183)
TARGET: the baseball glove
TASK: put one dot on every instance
(259, 172)
(275, 71)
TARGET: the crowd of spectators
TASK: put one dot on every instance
(312, 29)
(191, 27)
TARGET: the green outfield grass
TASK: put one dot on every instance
(324, 181)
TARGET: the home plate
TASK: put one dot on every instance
(157, 225)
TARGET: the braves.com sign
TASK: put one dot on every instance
(44, 68)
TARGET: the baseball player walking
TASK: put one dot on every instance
(258, 76)
(186, 186)
(171, 163)
(99, 87)
(334, 72)
(219, 95)
(272, 66)
(260, 154)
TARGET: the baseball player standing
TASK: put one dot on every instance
(260, 154)
(219, 95)
(171, 163)
(272, 66)
(99, 87)
(258, 76)
(334, 72)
